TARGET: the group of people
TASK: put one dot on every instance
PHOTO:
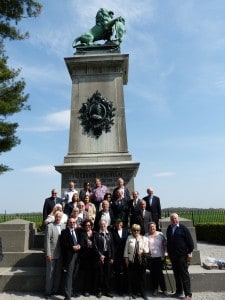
(93, 234)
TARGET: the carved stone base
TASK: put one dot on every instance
(108, 172)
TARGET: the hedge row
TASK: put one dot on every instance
(211, 233)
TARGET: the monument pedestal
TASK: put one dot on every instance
(23, 267)
(98, 139)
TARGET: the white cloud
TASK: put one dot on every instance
(52, 122)
(163, 174)
(44, 169)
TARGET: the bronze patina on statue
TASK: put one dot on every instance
(107, 29)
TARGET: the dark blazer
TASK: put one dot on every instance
(49, 204)
(126, 194)
(143, 222)
(119, 242)
(154, 208)
(68, 208)
(99, 244)
(82, 194)
(120, 211)
(66, 242)
(180, 243)
(98, 218)
(87, 254)
(132, 207)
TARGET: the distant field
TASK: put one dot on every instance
(198, 216)
(32, 217)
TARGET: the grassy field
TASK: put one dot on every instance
(198, 216)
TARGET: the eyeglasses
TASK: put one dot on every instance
(136, 230)
(72, 222)
(87, 225)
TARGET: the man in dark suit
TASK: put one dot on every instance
(120, 235)
(153, 205)
(142, 217)
(125, 191)
(133, 205)
(105, 214)
(119, 207)
(180, 246)
(70, 245)
(50, 203)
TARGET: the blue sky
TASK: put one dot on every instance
(174, 99)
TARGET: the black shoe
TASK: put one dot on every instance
(86, 294)
(109, 295)
(178, 295)
(47, 296)
(132, 296)
(76, 295)
(99, 295)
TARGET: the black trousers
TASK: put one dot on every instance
(104, 275)
(136, 278)
(157, 276)
(120, 272)
(181, 274)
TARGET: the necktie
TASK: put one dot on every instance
(74, 237)
(105, 242)
(173, 229)
(136, 249)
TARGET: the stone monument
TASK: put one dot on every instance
(98, 139)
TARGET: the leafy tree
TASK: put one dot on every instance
(12, 97)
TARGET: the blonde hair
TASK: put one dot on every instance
(136, 227)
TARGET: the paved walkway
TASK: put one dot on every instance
(29, 296)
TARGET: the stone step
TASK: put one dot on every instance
(34, 258)
(22, 279)
(33, 279)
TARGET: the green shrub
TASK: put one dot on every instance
(211, 233)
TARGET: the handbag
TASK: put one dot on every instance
(145, 261)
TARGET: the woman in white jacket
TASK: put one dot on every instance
(136, 246)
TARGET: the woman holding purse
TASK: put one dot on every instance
(136, 246)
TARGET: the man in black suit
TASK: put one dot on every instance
(180, 246)
(133, 205)
(70, 245)
(142, 217)
(119, 207)
(50, 203)
(123, 188)
(153, 205)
